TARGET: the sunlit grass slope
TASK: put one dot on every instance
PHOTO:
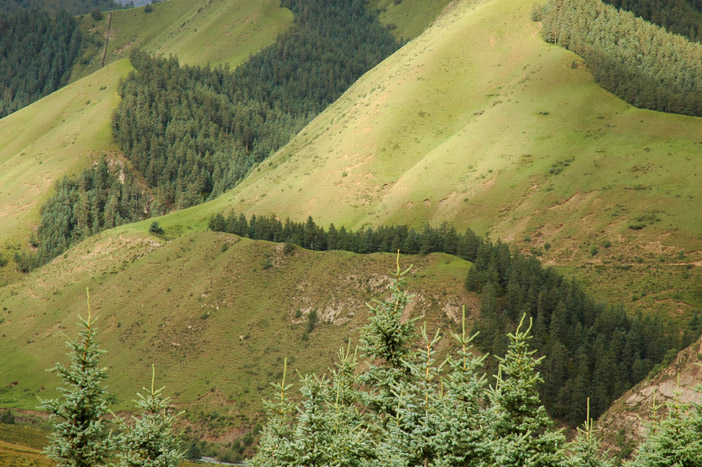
(53, 137)
(21, 446)
(197, 32)
(216, 314)
(481, 123)
(408, 18)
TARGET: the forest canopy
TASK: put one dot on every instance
(683, 17)
(37, 53)
(640, 62)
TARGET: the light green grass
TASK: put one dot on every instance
(215, 321)
(408, 18)
(56, 136)
(197, 32)
(62, 133)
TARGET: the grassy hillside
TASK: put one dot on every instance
(20, 446)
(482, 123)
(216, 314)
(407, 19)
(53, 137)
(198, 32)
(60, 134)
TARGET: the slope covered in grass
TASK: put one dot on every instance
(407, 19)
(480, 122)
(215, 313)
(197, 32)
(53, 137)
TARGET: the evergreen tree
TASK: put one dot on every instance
(79, 437)
(385, 341)
(584, 450)
(522, 430)
(675, 441)
(150, 441)
(276, 448)
(461, 438)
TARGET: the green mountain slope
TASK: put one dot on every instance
(53, 137)
(482, 123)
(215, 313)
(197, 32)
(59, 134)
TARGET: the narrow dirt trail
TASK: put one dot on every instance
(107, 39)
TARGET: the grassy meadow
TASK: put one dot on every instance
(202, 32)
(56, 136)
(215, 313)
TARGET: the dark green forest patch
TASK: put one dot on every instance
(37, 53)
(683, 17)
(640, 62)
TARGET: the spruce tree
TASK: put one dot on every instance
(675, 441)
(461, 437)
(584, 450)
(150, 440)
(522, 431)
(79, 436)
(385, 342)
(276, 448)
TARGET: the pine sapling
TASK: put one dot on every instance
(150, 441)
(79, 437)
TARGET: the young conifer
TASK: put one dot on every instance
(385, 342)
(411, 433)
(79, 437)
(521, 430)
(150, 440)
(584, 450)
(276, 448)
(675, 440)
(461, 437)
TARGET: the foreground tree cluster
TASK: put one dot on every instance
(80, 436)
(594, 350)
(395, 404)
(640, 62)
(398, 405)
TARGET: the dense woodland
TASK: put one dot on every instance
(393, 402)
(194, 132)
(101, 198)
(594, 350)
(37, 53)
(638, 61)
(682, 17)
(54, 6)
